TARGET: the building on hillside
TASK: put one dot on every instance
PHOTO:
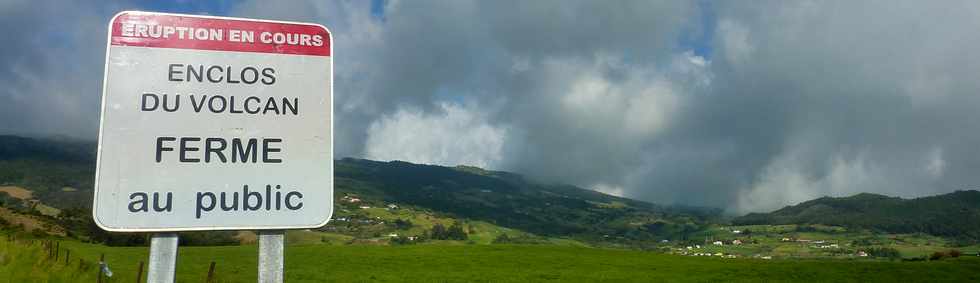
(736, 242)
(718, 243)
(351, 199)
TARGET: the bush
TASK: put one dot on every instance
(922, 258)
(884, 252)
(403, 240)
(403, 224)
(455, 232)
(209, 238)
(954, 253)
(937, 256)
(521, 239)
(502, 239)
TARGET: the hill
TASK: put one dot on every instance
(56, 171)
(393, 198)
(955, 215)
(510, 200)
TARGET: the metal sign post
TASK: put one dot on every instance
(271, 256)
(163, 258)
(214, 123)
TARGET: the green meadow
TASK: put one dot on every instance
(21, 262)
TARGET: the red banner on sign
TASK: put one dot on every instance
(208, 33)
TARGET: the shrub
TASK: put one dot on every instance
(937, 256)
(455, 232)
(403, 224)
(884, 252)
(402, 240)
(954, 253)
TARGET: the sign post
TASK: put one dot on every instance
(271, 255)
(213, 123)
(163, 258)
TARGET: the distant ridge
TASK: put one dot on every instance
(50, 149)
(955, 214)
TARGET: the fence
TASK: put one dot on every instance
(56, 255)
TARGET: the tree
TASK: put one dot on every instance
(438, 232)
(403, 224)
(884, 252)
(456, 232)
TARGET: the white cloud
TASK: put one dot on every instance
(935, 164)
(456, 136)
(786, 181)
(609, 189)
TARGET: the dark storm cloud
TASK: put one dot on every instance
(51, 67)
(795, 100)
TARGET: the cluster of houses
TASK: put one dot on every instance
(690, 251)
(816, 244)
(734, 242)
(355, 200)
(721, 255)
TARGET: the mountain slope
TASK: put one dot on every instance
(508, 200)
(60, 174)
(955, 214)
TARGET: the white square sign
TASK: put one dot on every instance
(213, 123)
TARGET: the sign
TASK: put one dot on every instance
(212, 123)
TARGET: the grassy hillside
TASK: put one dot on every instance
(28, 261)
(58, 172)
(955, 215)
(508, 200)
(487, 204)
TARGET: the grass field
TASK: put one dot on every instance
(475, 263)
(28, 262)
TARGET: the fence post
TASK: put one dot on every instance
(210, 273)
(101, 260)
(139, 273)
(67, 256)
(57, 250)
